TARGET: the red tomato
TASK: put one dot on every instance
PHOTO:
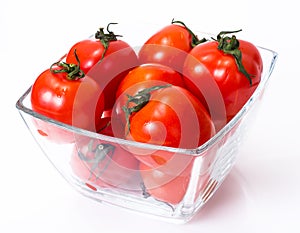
(103, 164)
(171, 117)
(140, 78)
(234, 65)
(106, 59)
(169, 46)
(168, 184)
(68, 99)
(177, 113)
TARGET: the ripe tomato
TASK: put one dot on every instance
(171, 116)
(168, 184)
(102, 164)
(106, 59)
(60, 94)
(234, 65)
(176, 112)
(169, 46)
(140, 78)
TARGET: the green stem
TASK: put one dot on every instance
(73, 71)
(100, 152)
(106, 38)
(230, 45)
(140, 100)
(195, 41)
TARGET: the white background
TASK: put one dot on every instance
(262, 192)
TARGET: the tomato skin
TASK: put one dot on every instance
(173, 117)
(73, 102)
(148, 72)
(235, 88)
(140, 78)
(172, 35)
(168, 46)
(108, 71)
(103, 164)
(174, 107)
(89, 52)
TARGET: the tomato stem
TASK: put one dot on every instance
(100, 152)
(73, 71)
(230, 45)
(139, 100)
(106, 38)
(144, 190)
(195, 41)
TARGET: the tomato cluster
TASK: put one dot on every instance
(175, 91)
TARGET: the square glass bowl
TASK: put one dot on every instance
(184, 184)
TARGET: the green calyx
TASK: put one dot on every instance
(73, 70)
(139, 101)
(106, 38)
(230, 45)
(195, 41)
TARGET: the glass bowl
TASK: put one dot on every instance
(100, 167)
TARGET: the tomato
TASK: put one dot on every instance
(171, 117)
(234, 65)
(103, 164)
(140, 78)
(177, 113)
(168, 184)
(169, 46)
(105, 58)
(58, 93)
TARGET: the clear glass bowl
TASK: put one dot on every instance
(192, 175)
